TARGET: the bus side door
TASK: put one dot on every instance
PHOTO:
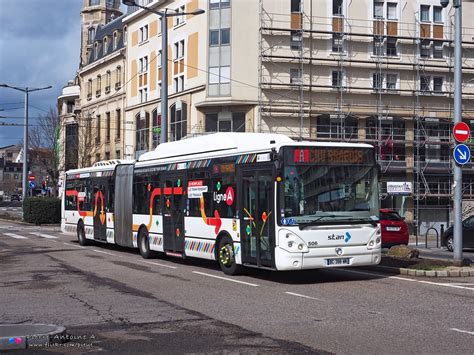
(99, 204)
(174, 205)
(256, 201)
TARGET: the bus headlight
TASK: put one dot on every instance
(293, 244)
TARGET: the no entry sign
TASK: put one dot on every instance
(461, 132)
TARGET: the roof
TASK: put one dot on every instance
(100, 166)
(107, 30)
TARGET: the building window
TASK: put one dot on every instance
(118, 123)
(225, 122)
(392, 11)
(178, 121)
(94, 2)
(99, 86)
(438, 49)
(296, 40)
(425, 13)
(225, 36)
(178, 20)
(115, 40)
(89, 89)
(107, 127)
(438, 84)
(142, 131)
(377, 80)
(295, 5)
(143, 93)
(107, 81)
(214, 37)
(215, 4)
(337, 43)
(337, 79)
(118, 77)
(96, 50)
(337, 7)
(143, 64)
(391, 82)
(378, 10)
(437, 14)
(378, 46)
(392, 46)
(425, 83)
(219, 75)
(295, 76)
(97, 137)
(91, 35)
(425, 49)
(143, 33)
(105, 45)
(156, 128)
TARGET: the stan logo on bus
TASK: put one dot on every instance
(228, 197)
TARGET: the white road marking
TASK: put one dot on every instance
(5, 250)
(47, 236)
(158, 264)
(104, 252)
(16, 236)
(299, 295)
(74, 245)
(225, 278)
(406, 279)
(462, 331)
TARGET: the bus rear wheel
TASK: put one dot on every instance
(144, 245)
(81, 235)
(226, 257)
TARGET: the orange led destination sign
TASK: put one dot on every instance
(328, 156)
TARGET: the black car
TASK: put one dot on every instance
(15, 197)
(467, 235)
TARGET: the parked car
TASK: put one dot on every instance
(394, 228)
(467, 235)
(15, 197)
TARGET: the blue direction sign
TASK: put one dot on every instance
(32, 184)
(462, 154)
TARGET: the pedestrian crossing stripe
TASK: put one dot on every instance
(16, 236)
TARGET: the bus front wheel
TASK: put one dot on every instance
(81, 235)
(226, 257)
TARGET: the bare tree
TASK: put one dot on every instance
(89, 144)
(44, 144)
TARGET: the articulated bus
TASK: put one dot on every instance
(242, 199)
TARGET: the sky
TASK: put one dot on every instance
(39, 46)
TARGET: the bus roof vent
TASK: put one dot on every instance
(108, 162)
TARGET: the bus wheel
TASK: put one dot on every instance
(81, 235)
(144, 244)
(226, 257)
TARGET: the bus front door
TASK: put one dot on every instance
(174, 204)
(257, 216)
(99, 210)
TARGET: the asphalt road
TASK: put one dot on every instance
(111, 299)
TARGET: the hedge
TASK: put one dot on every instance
(42, 210)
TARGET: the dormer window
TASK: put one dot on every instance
(96, 50)
(91, 35)
(105, 45)
(115, 40)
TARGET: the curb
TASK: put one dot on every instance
(29, 336)
(423, 273)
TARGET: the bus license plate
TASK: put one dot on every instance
(338, 261)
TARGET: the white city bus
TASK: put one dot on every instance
(242, 199)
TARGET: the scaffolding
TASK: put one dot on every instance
(408, 125)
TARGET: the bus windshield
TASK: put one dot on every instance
(328, 184)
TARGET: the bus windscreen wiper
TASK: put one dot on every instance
(318, 220)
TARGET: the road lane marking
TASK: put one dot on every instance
(158, 264)
(74, 245)
(42, 235)
(461, 331)
(226, 278)
(104, 252)
(406, 279)
(299, 295)
(16, 236)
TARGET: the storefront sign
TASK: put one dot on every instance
(403, 188)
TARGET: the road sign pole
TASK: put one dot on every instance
(457, 196)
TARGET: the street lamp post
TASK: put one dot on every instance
(25, 90)
(457, 193)
(164, 59)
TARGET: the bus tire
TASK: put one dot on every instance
(144, 244)
(226, 257)
(81, 235)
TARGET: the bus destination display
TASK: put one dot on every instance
(330, 156)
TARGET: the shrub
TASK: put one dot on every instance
(42, 210)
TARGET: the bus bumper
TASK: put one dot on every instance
(317, 258)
